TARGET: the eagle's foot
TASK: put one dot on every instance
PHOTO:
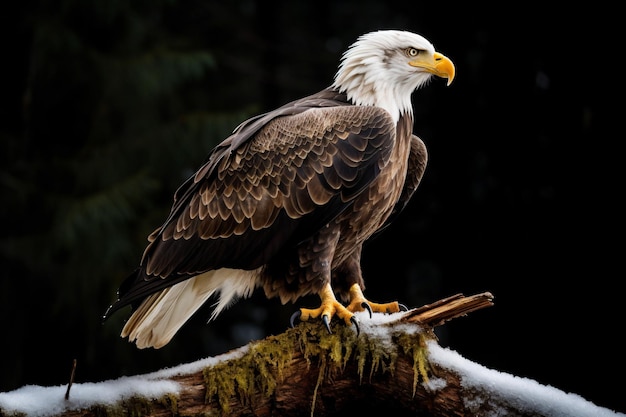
(358, 302)
(330, 308)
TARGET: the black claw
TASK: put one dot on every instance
(356, 323)
(368, 307)
(403, 307)
(295, 316)
(326, 323)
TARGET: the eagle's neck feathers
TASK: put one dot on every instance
(374, 71)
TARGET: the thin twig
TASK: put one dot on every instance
(67, 393)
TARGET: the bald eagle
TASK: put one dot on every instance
(286, 202)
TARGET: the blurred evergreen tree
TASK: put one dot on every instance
(117, 114)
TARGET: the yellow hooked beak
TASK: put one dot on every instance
(437, 64)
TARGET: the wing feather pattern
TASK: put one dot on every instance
(278, 179)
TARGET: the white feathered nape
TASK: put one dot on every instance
(162, 314)
(374, 71)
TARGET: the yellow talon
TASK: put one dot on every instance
(358, 302)
(330, 307)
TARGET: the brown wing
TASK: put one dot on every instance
(277, 188)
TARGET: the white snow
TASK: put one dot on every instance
(525, 394)
(38, 401)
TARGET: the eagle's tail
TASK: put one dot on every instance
(162, 314)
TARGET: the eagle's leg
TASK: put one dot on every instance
(329, 308)
(358, 302)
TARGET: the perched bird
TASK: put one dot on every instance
(286, 202)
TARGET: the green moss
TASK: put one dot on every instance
(261, 368)
(418, 351)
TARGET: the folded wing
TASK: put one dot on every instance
(281, 183)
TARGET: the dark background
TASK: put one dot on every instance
(108, 106)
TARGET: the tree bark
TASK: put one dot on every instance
(306, 371)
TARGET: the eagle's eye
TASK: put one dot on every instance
(412, 52)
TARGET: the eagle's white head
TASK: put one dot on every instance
(384, 68)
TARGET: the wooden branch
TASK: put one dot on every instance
(438, 313)
(372, 377)
(307, 372)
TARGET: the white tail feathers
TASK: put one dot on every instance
(162, 314)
